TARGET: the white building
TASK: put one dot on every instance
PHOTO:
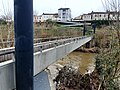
(95, 16)
(51, 16)
(99, 16)
(78, 18)
(64, 14)
(36, 18)
(113, 16)
(87, 17)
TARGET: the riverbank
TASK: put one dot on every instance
(69, 78)
(105, 75)
(75, 73)
(78, 62)
(89, 50)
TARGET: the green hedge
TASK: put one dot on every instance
(99, 23)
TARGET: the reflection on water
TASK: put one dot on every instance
(85, 61)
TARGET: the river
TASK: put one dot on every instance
(84, 61)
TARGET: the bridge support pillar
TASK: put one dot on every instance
(41, 81)
(23, 25)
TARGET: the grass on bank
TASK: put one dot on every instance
(44, 30)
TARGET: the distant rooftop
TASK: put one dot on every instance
(98, 12)
(113, 12)
(63, 8)
(50, 13)
(87, 14)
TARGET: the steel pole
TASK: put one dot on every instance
(84, 28)
(23, 25)
(94, 27)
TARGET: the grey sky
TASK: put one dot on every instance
(51, 6)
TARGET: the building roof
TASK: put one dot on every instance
(78, 17)
(87, 14)
(107, 12)
(63, 8)
(37, 15)
(50, 14)
(40, 16)
(98, 12)
(113, 12)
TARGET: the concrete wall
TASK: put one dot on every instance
(7, 75)
(41, 61)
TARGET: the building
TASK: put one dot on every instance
(64, 14)
(87, 17)
(99, 15)
(6, 18)
(113, 16)
(51, 16)
(36, 18)
(78, 18)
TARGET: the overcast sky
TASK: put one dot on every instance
(51, 6)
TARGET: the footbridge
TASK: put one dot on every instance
(45, 54)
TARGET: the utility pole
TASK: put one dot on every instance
(23, 25)
(94, 27)
(84, 28)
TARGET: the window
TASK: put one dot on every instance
(64, 10)
(64, 13)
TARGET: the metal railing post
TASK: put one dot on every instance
(23, 25)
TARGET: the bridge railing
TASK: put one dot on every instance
(8, 53)
(10, 43)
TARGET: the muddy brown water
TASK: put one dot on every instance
(85, 61)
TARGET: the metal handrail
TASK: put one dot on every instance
(41, 46)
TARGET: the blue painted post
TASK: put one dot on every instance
(23, 25)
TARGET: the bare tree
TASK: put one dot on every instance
(113, 7)
(6, 29)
